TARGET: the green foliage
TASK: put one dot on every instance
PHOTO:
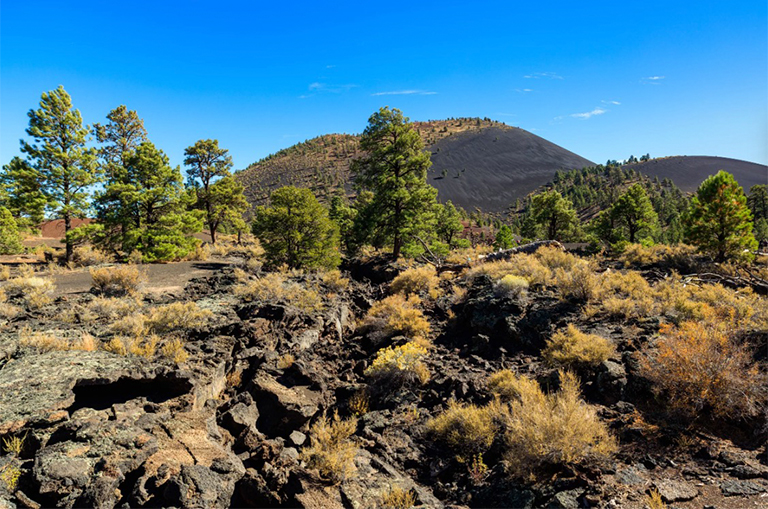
(10, 239)
(296, 230)
(66, 167)
(553, 214)
(634, 214)
(448, 226)
(344, 216)
(24, 198)
(395, 171)
(504, 238)
(758, 201)
(207, 162)
(227, 205)
(718, 221)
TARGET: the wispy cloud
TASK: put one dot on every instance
(615, 103)
(405, 92)
(589, 114)
(319, 87)
(523, 90)
(652, 80)
(537, 75)
(330, 66)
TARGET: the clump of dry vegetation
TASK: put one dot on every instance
(467, 429)
(638, 255)
(274, 287)
(512, 286)
(35, 292)
(117, 281)
(571, 347)
(334, 280)
(552, 429)
(702, 366)
(398, 498)
(397, 315)
(46, 341)
(177, 315)
(7, 310)
(113, 307)
(397, 366)
(331, 450)
(86, 256)
(421, 281)
(174, 351)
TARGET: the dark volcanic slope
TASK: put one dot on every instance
(500, 165)
(687, 172)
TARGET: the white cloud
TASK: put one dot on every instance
(537, 75)
(611, 102)
(405, 92)
(331, 89)
(588, 114)
(523, 90)
(652, 80)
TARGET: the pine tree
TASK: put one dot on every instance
(505, 239)
(67, 168)
(554, 214)
(10, 238)
(395, 170)
(633, 212)
(295, 229)
(448, 225)
(344, 216)
(207, 162)
(227, 205)
(718, 220)
(758, 201)
(25, 199)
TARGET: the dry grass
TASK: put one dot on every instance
(553, 429)
(511, 286)
(421, 281)
(396, 315)
(466, 429)
(579, 282)
(331, 450)
(86, 343)
(117, 280)
(285, 361)
(134, 325)
(36, 292)
(554, 258)
(637, 255)
(654, 500)
(526, 266)
(397, 366)
(177, 316)
(174, 351)
(113, 307)
(14, 445)
(5, 273)
(201, 253)
(141, 346)
(398, 498)
(334, 280)
(86, 256)
(7, 310)
(571, 347)
(43, 341)
(9, 475)
(135, 257)
(274, 287)
(701, 366)
(459, 256)
(359, 403)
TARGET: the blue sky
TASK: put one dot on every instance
(603, 79)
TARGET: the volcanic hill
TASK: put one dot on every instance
(687, 172)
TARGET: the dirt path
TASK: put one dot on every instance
(160, 278)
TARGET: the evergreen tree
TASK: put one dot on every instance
(448, 225)
(66, 167)
(758, 201)
(227, 205)
(295, 229)
(10, 238)
(395, 170)
(718, 220)
(505, 239)
(207, 162)
(161, 224)
(344, 216)
(24, 198)
(761, 230)
(554, 214)
(634, 213)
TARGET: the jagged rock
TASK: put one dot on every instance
(748, 472)
(732, 488)
(283, 409)
(298, 438)
(676, 491)
(239, 417)
(612, 379)
(566, 500)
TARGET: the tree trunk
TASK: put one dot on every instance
(69, 247)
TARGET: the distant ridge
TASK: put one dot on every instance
(688, 172)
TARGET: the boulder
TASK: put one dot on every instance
(283, 409)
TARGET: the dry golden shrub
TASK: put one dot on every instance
(285, 361)
(5, 273)
(422, 281)
(131, 325)
(555, 258)
(140, 346)
(359, 403)
(523, 265)
(397, 315)
(512, 286)
(398, 498)
(7, 310)
(579, 282)
(201, 253)
(700, 366)
(85, 256)
(117, 280)
(135, 257)
(174, 351)
(465, 255)
(307, 300)
(87, 343)
(37, 292)
(331, 450)
(654, 500)
(397, 366)
(9, 475)
(113, 307)
(466, 429)
(117, 345)
(571, 347)
(274, 287)
(334, 280)
(43, 341)
(553, 429)
(637, 255)
(507, 386)
(177, 315)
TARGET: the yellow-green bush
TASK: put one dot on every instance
(177, 315)
(553, 429)
(466, 429)
(396, 315)
(579, 282)
(85, 256)
(512, 286)
(422, 281)
(36, 292)
(117, 280)
(274, 287)
(398, 365)
(331, 450)
(573, 347)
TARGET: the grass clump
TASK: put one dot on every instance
(274, 287)
(9, 475)
(701, 367)
(113, 307)
(512, 286)
(14, 445)
(86, 256)
(118, 280)
(331, 450)
(36, 292)
(174, 351)
(43, 341)
(422, 281)
(550, 429)
(398, 498)
(176, 316)
(571, 347)
(579, 283)
(397, 315)
(466, 429)
(334, 280)
(398, 366)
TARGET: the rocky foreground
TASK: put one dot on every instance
(230, 425)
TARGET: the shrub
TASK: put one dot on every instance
(523, 265)
(422, 281)
(35, 291)
(359, 403)
(118, 280)
(123, 345)
(113, 307)
(573, 347)
(14, 445)
(304, 299)
(508, 387)
(177, 315)
(466, 429)
(174, 351)
(7, 310)
(637, 255)
(333, 280)
(398, 498)
(579, 283)
(553, 429)
(86, 343)
(132, 325)
(273, 287)
(397, 366)
(10, 474)
(331, 450)
(512, 286)
(699, 366)
(5, 273)
(396, 315)
(43, 341)
(555, 258)
(85, 256)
